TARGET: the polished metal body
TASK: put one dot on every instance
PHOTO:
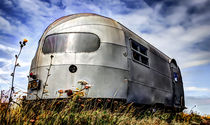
(110, 70)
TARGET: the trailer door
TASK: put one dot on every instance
(178, 92)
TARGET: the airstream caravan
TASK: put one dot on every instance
(112, 60)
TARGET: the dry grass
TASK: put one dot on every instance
(77, 111)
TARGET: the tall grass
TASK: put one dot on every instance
(90, 111)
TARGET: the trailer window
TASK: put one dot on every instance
(139, 52)
(55, 43)
(71, 42)
(175, 77)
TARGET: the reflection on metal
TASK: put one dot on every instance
(107, 64)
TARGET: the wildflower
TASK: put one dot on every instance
(99, 100)
(60, 91)
(25, 41)
(69, 93)
(82, 105)
(87, 86)
(60, 94)
(32, 120)
(82, 82)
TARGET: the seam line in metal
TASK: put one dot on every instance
(80, 64)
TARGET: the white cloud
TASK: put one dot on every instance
(177, 17)
(22, 74)
(24, 64)
(195, 63)
(3, 81)
(4, 72)
(7, 49)
(4, 25)
(197, 2)
(4, 60)
(198, 89)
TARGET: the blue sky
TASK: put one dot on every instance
(180, 29)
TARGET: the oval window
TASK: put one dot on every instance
(71, 42)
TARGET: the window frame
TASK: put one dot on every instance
(42, 45)
(139, 52)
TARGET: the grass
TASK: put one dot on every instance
(91, 111)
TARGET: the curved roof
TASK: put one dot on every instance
(74, 16)
(103, 20)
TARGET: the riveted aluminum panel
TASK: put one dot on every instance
(160, 65)
(110, 55)
(161, 81)
(106, 82)
(148, 84)
(140, 72)
(107, 69)
(149, 77)
(142, 94)
(59, 58)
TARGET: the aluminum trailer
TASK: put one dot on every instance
(107, 56)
